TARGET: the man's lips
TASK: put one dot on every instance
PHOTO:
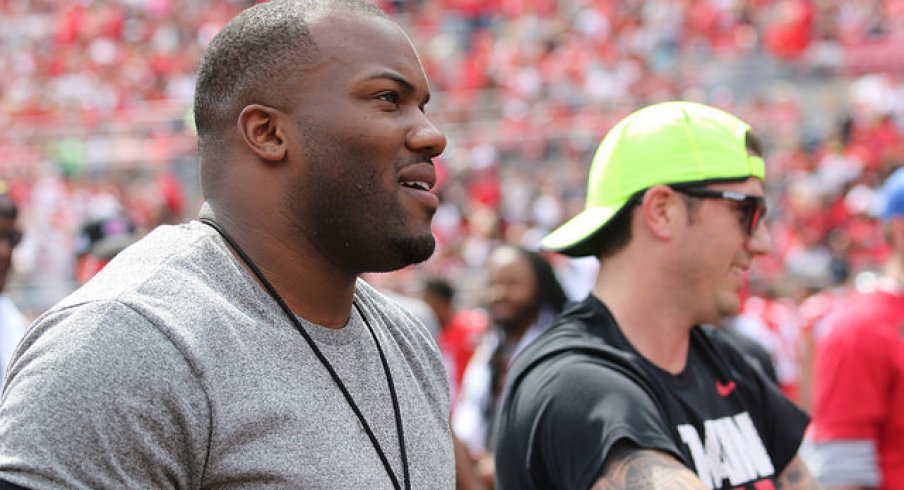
(418, 179)
(420, 175)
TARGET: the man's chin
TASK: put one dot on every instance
(417, 250)
(729, 307)
(407, 252)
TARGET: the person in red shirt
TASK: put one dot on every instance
(856, 438)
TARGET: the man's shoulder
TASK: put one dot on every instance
(580, 324)
(176, 275)
(583, 337)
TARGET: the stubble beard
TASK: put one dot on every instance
(412, 250)
(369, 243)
(332, 218)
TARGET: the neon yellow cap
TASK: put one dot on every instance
(666, 143)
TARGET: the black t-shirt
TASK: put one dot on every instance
(580, 387)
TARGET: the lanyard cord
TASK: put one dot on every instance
(329, 367)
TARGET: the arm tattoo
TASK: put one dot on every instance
(796, 477)
(629, 467)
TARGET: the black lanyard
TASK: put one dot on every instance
(329, 367)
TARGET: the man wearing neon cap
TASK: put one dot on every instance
(628, 389)
(856, 440)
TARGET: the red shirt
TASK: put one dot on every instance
(858, 384)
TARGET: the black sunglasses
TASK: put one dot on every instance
(754, 206)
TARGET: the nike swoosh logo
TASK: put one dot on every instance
(725, 389)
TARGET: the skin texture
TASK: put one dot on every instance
(629, 467)
(796, 477)
(466, 475)
(718, 253)
(312, 188)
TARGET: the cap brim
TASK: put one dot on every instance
(574, 238)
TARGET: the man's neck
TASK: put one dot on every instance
(310, 286)
(657, 328)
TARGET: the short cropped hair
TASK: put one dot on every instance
(256, 50)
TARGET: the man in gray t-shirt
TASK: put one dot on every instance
(241, 350)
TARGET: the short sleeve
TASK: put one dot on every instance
(581, 407)
(98, 398)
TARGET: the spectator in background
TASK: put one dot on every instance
(12, 322)
(856, 438)
(99, 241)
(460, 329)
(630, 389)
(522, 297)
(242, 349)
(440, 295)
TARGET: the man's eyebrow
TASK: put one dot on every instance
(395, 77)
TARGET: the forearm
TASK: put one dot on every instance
(466, 477)
(629, 467)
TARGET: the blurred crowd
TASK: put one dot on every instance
(96, 139)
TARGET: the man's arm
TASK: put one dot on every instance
(466, 475)
(797, 477)
(630, 467)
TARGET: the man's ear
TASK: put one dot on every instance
(262, 130)
(661, 211)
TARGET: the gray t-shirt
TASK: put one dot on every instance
(172, 368)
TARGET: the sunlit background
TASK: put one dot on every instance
(95, 123)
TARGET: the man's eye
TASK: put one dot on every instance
(744, 212)
(391, 97)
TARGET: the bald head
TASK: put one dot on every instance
(255, 56)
